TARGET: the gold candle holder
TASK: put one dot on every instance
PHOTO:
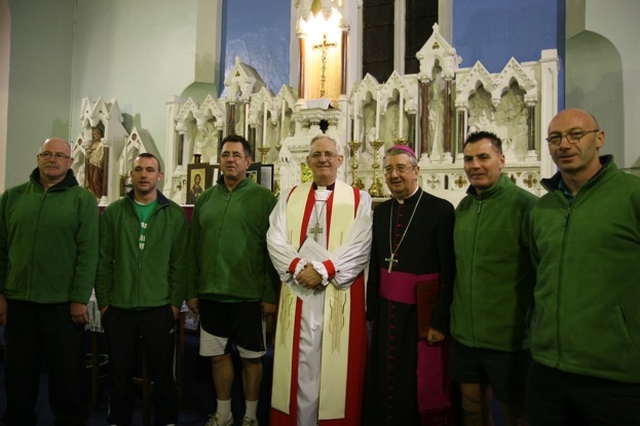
(400, 141)
(355, 146)
(376, 187)
(276, 182)
(264, 150)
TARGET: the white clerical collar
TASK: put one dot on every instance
(401, 201)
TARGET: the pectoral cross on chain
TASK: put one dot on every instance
(317, 230)
(391, 259)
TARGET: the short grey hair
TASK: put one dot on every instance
(323, 136)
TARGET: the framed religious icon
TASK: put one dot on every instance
(199, 178)
(254, 172)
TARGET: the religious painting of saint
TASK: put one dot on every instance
(199, 178)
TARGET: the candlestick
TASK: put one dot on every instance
(355, 146)
(376, 187)
(264, 150)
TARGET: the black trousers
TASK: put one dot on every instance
(123, 329)
(33, 330)
(557, 398)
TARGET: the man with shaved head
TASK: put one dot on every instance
(586, 248)
(48, 259)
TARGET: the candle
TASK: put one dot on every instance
(264, 125)
(284, 112)
(377, 116)
(400, 115)
(246, 120)
(355, 119)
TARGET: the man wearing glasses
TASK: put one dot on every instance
(586, 247)
(409, 291)
(48, 259)
(319, 240)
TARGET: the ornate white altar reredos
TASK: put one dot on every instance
(118, 147)
(432, 112)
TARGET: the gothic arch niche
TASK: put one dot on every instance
(594, 82)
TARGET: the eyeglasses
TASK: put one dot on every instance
(58, 156)
(235, 155)
(328, 154)
(400, 169)
(573, 137)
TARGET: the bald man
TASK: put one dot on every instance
(586, 249)
(48, 259)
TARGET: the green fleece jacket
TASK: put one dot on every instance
(587, 294)
(133, 278)
(493, 290)
(228, 257)
(48, 241)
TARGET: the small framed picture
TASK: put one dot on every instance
(254, 172)
(266, 176)
(199, 178)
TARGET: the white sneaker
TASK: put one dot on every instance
(217, 420)
(249, 422)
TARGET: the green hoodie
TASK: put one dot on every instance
(493, 290)
(227, 247)
(131, 278)
(587, 295)
(48, 241)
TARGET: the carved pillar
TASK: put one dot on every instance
(424, 117)
(532, 155)
(302, 61)
(180, 149)
(231, 122)
(105, 172)
(343, 74)
(447, 116)
(461, 130)
(531, 127)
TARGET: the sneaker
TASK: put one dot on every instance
(249, 422)
(217, 420)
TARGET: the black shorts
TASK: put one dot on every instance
(239, 322)
(505, 372)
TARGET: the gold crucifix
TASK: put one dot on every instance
(315, 231)
(324, 46)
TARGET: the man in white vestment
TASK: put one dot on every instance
(319, 241)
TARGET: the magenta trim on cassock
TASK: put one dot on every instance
(401, 286)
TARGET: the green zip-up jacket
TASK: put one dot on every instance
(493, 290)
(48, 241)
(133, 278)
(228, 248)
(587, 295)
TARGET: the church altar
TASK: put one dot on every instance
(432, 112)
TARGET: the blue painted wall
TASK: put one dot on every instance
(492, 31)
(257, 31)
